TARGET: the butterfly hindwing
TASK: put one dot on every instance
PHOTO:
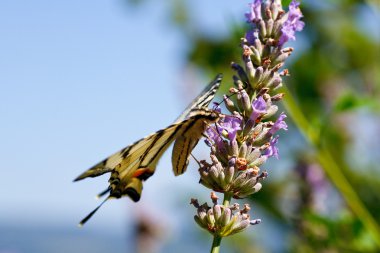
(186, 142)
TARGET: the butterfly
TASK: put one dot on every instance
(137, 162)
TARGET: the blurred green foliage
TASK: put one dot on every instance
(335, 80)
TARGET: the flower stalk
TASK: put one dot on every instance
(216, 244)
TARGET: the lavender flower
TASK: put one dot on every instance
(230, 125)
(259, 108)
(223, 220)
(251, 36)
(255, 11)
(292, 24)
(213, 137)
(272, 150)
(279, 124)
(242, 142)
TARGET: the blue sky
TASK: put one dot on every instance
(80, 80)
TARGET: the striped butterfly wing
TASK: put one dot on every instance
(135, 163)
(203, 99)
(186, 142)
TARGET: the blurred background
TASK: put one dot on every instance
(80, 80)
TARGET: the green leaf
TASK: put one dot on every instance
(286, 2)
(350, 101)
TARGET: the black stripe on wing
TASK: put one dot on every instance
(189, 138)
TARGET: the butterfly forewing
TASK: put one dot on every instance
(203, 99)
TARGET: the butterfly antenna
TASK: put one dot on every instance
(228, 96)
(195, 159)
(82, 222)
(101, 194)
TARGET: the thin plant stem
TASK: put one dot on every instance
(216, 244)
(227, 199)
(217, 238)
(331, 167)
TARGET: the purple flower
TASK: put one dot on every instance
(255, 11)
(258, 108)
(231, 124)
(279, 124)
(251, 36)
(272, 150)
(292, 24)
(216, 107)
(213, 136)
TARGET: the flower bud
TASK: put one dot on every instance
(217, 212)
(210, 217)
(271, 111)
(249, 189)
(229, 104)
(243, 150)
(258, 76)
(249, 67)
(258, 162)
(200, 222)
(277, 97)
(275, 83)
(269, 27)
(280, 58)
(226, 217)
(246, 102)
(258, 45)
(234, 148)
(222, 220)
(242, 75)
(221, 180)
(214, 159)
(262, 136)
(253, 155)
(262, 30)
(276, 8)
(229, 174)
(240, 226)
(255, 56)
(238, 83)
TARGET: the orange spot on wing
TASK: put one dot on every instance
(141, 171)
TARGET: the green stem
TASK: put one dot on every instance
(218, 239)
(227, 199)
(331, 168)
(216, 244)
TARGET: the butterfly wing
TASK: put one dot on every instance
(203, 99)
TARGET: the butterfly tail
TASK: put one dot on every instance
(85, 219)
